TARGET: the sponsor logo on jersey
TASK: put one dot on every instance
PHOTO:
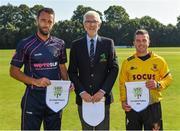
(38, 54)
(45, 65)
(154, 68)
(144, 76)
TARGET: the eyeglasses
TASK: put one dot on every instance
(91, 22)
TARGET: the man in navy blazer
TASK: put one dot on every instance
(93, 68)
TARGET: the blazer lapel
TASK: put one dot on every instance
(98, 49)
(85, 49)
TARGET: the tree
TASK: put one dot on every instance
(129, 30)
(27, 20)
(116, 15)
(80, 11)
(68, 30)
(154, 27)
(178, 22)
(7, 26)
(169, 37)
(16, 23)
(113, 27)
(178, 30)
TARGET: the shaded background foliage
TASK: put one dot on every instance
(17, 22)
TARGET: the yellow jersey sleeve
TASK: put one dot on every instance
(123, 77)
(165, 75)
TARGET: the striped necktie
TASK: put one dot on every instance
(91, 54)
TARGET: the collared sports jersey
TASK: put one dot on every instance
(135, 69)
(40, 58)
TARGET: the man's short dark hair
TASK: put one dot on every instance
(141, 32)
(47, 10)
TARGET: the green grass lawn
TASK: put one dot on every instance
(11, 92)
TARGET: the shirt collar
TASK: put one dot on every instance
(94, 38)
(41, 39)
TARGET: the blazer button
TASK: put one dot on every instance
(91, 65)
(90, 86)
(92, 75)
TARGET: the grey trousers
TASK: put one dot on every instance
(104, 125)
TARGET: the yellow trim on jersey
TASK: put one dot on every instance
(135, 69)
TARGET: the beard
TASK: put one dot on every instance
(43, 32)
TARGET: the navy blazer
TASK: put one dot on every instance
(91, 79)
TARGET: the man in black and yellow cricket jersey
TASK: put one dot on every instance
(144, 66)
